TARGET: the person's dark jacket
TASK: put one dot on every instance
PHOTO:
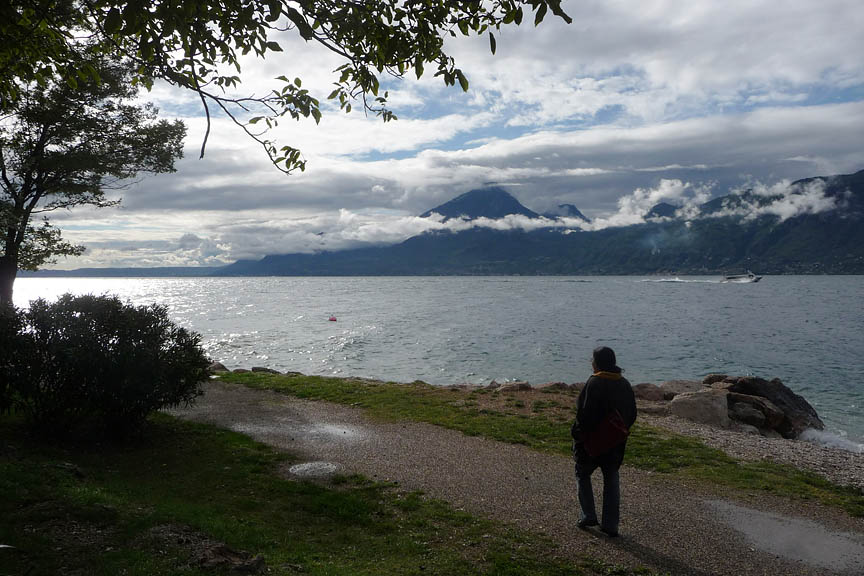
(603, 392)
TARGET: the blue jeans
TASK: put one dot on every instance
(608, 464)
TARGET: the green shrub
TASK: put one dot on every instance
(11, 348)
(95, 364)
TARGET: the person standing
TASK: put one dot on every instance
(605, 392)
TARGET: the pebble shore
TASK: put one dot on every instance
(838, 465)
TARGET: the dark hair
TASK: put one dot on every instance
(604, 359)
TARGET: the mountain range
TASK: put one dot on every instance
(770, 232)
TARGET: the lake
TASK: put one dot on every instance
(806, 330)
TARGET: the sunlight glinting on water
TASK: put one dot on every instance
(449, 330)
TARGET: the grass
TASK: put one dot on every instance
(544, 425)
(153, 506)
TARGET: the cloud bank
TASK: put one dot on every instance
(673, 101)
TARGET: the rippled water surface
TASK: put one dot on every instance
(806, 330)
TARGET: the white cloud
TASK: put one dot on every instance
(667, 100)
(781, 199)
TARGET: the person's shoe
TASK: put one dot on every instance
(609, 533)
(585, 523)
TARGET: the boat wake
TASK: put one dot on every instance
(681, 280)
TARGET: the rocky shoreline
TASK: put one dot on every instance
(721, 411)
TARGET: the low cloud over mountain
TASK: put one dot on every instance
(810, 225)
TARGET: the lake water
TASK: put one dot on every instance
(806, 330)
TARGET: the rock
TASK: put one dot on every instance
(265, 370)
(222, 557)
(773, 415)
(799, 415)
(651, 392)
(705, 406)
(492, 385)
(552, 386)
(71, 468)
(721, 385)
(292, 374)
(206, 553)
(513, 387)
(746, 413)
(672, 388)
(654, 408)
(712, 378)
(770, 433)
(745, 428)
(217, 367)
(240, 371)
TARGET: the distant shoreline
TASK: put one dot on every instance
(181, 272)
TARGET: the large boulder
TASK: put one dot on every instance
(672, 388)
(706, 406)
(773, 416)
(746, 413)
(217, 367)
(517, 386)
(712, 378)
(265, 370)
(554, 387)
(650, 392)
(798, 414)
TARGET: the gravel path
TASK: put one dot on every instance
(667, 524)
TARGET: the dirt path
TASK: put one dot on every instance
(667, 524)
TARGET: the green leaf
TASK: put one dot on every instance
(273, 46)
(275, 10)
(463, 82)
(113, 21)
(492, 42)
(541, 13)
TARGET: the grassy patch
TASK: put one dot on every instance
(152, 507)
(544, 425)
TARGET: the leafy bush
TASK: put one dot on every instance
(11, 348)
(96, 364)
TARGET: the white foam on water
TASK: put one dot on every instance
(681, 280)
(831, 439)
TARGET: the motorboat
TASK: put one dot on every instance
(742, 278)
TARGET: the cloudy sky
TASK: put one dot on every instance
(633, 103)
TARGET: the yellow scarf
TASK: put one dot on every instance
(608, 375)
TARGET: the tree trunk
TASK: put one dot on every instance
(8, 271)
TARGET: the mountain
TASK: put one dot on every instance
(566, 211)
(492, 202)
(661, 210)
(846, 190)
(829, 242)
(160, 272)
